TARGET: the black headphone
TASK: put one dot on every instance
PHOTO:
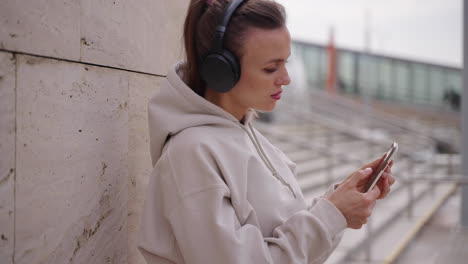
(219, 67)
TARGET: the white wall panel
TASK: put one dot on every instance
(72, 168)
(141, 35)
(7, 154)
(82, 158)
(141, 87)
(42, 27)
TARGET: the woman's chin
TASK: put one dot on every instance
(266, 107)
(271, 107)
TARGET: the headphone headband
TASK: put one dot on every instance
(221, 27)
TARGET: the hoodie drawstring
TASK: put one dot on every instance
(265, 159)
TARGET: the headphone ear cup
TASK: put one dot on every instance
(234, 62)
(220, 71)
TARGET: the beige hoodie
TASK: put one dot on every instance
(221, 193)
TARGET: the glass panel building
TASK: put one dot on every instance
(382, 77)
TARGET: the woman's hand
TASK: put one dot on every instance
(385, 181)
(355, 205)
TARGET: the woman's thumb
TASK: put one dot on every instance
(361, 175)
(374, 193)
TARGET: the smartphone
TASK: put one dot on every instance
(381, 168)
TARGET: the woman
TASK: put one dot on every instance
(219, 191)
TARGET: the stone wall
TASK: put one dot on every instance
(75, 77)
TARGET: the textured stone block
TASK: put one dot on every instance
(7, 155)
(141, 35)
(43, 27)
(141, 87)
(72, 165)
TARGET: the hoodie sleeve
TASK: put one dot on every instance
(207, 231)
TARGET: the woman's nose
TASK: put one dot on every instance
(284, 79)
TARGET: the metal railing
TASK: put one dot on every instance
(331, 114)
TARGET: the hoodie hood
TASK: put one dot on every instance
(175, 107)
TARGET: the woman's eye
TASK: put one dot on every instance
(270, 70)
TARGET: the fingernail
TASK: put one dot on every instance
(368, 170)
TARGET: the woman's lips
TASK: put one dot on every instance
(277, 95)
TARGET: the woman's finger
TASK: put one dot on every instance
(374, 193)
(373, 164)
(391, 179)
(389, 167)
(386, 189)
(384, 185)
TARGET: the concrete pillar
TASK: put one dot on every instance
(75, 79)
(464, 203)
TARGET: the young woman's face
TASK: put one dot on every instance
(263, 69)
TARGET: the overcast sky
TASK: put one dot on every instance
(427, 30)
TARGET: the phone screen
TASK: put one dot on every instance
(381, 168)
